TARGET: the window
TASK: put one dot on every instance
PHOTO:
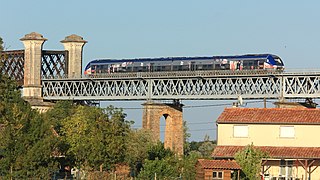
(216, 175)
(240, 131)
(285, 171)
(287, 131)
(282, 171)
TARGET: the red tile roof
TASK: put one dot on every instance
(218, 164)
(272, 151)
(270, 116)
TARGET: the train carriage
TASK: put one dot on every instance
(239, 62)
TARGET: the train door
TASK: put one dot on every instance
(192, 66)
(151, 67)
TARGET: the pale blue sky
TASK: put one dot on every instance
(133, 29)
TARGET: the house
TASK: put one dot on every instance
(216, 169)
(287, 135)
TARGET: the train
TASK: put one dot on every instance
(164, 64)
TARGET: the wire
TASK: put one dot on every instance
(200, 106)
(162, 125)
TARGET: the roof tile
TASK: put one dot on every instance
(272, 151)
(270, 116)
(218, 164)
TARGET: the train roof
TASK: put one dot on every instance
(235, 57)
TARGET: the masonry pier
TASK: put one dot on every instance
(174, 123)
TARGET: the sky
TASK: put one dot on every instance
(143, 28)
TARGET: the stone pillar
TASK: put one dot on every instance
(32, 66)
(174, 124)
(74, 45)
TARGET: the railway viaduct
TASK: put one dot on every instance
(48, 76)
(33, 64)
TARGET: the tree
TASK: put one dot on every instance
(1, 45)
(26, 140)
(160, 168)
(165, 165)
(186, 136)
(206, 147)
(95, 137)
(136, 151)
(157, 151)
(250, 159)
(187, 165)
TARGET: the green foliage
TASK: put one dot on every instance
(250, 159)
(89, 137)
(166, 165)
(162, 169)
(136, 151)
(157, 151)
(206, 147)
(26, 140)
(95, 137)
(186, 136)
(187, 166)
(1, 44)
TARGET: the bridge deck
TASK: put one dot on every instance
(185, 85)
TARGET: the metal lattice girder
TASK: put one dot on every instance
(304, 85)
(177, 86)
(167, 86)
(12, 64)
(89, 89)
(54, 64)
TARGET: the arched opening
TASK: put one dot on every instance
(163, 126)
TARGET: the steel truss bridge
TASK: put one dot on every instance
(191, 85)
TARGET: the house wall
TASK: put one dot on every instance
(268, 135)
(199, 172)
(206, 174)
(297, 173)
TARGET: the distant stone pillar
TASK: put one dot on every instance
(174, 124)
(74, 45)
(32, 66)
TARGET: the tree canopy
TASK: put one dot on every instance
(26, 140)
(35, 145)
(1, 44)
(250, 159)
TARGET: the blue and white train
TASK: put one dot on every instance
(238, 62)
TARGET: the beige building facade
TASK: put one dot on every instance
(268, 135)
(288, 135)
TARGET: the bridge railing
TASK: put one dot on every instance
(12, 64)
(176, 74)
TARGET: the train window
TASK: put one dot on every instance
(185, 68)
(278, 62)
(167, 68)
(157, 68)
(208, 67)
